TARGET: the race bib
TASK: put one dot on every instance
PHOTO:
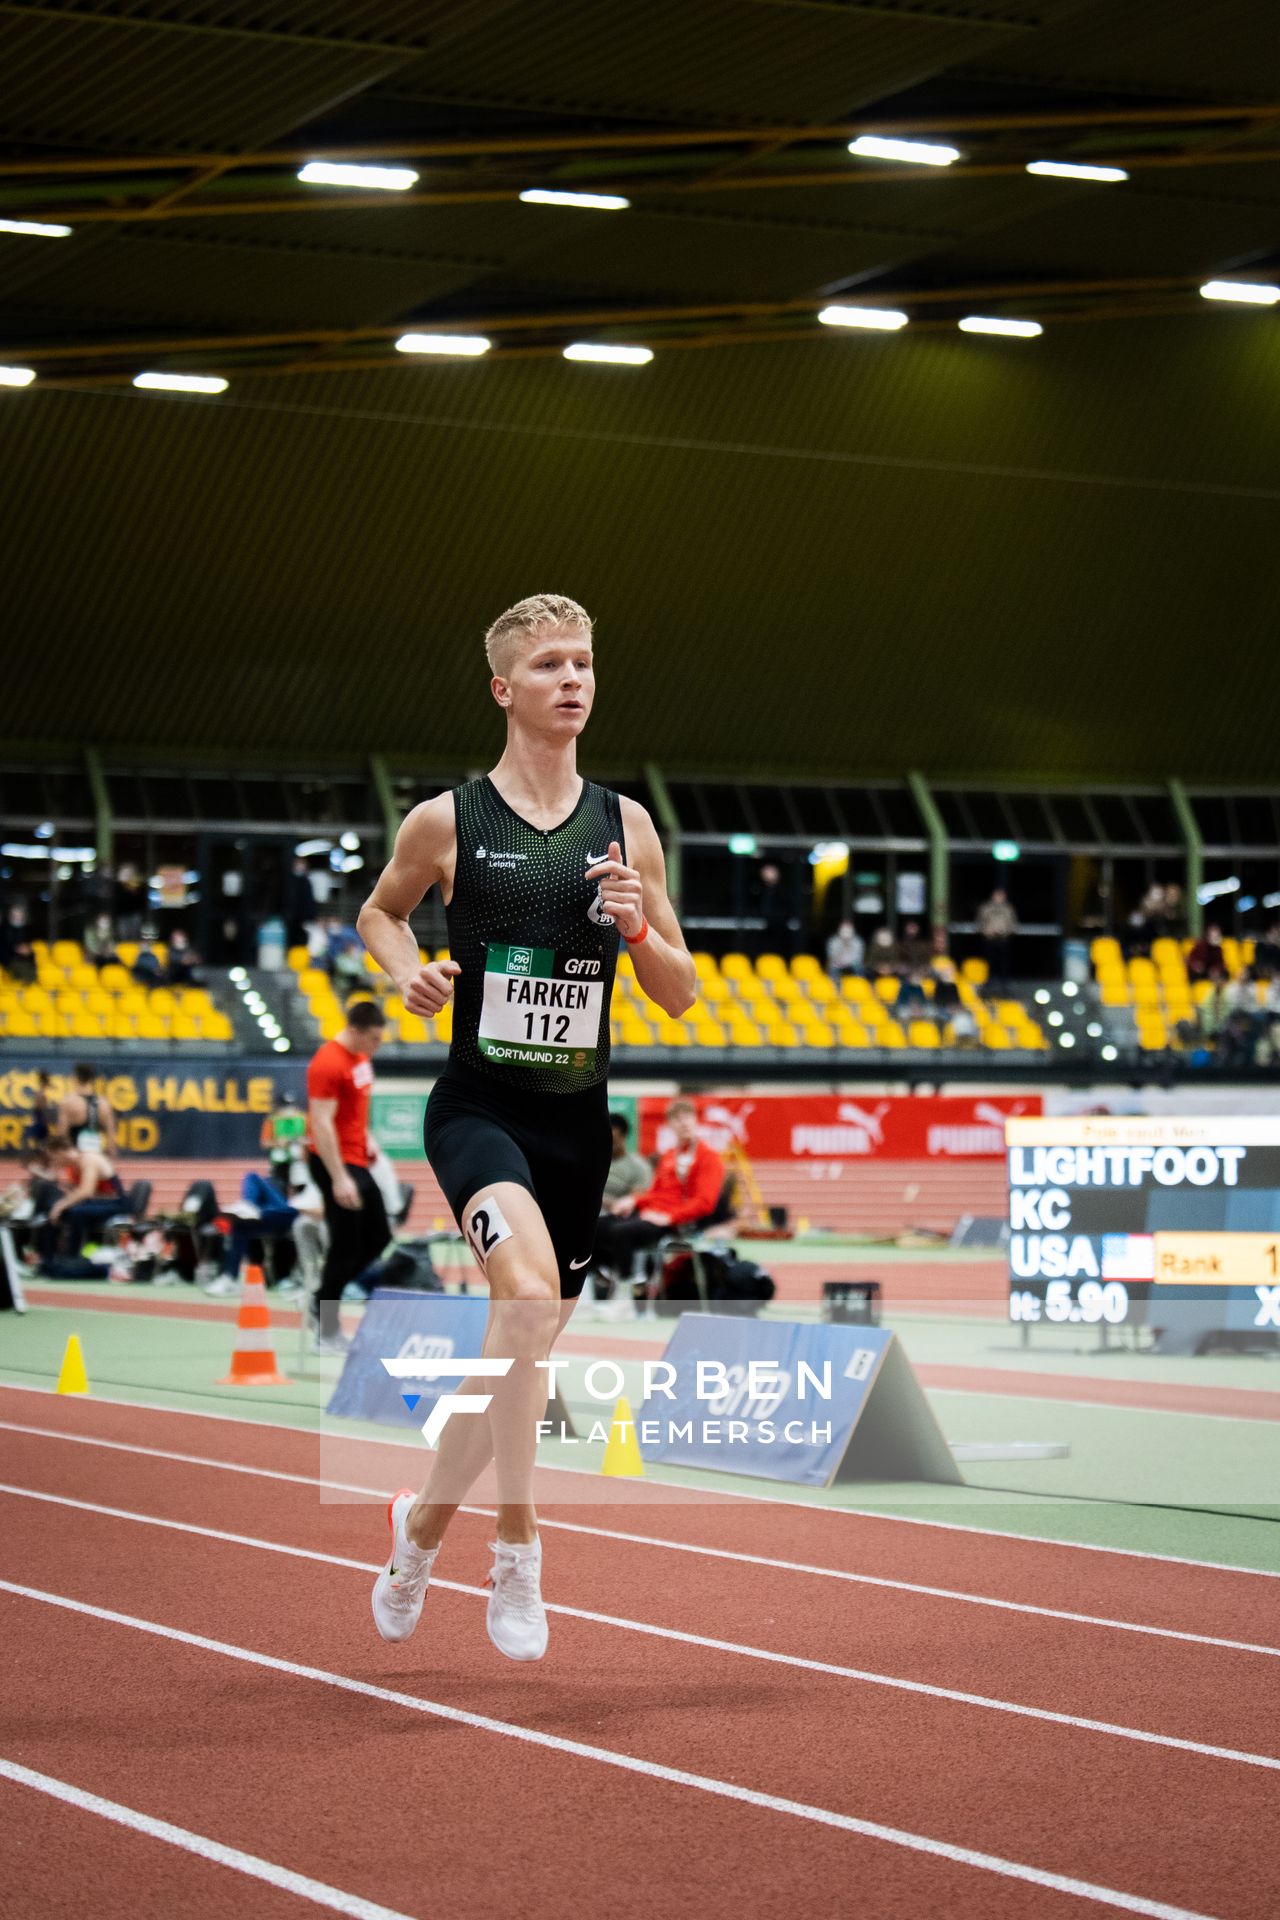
(541, 1008)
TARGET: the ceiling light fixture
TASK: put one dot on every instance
(35, 229)
(327, 173)
(17, 376)
(553, 197)
(1248, 293)
(1074, 170)
(453, 346)
(878, 319)
(610, 356)
(1008, 329)
(180, 382)
(913, 153)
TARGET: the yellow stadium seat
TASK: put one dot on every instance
(735, 966)
(873, 1013)
(1164, 952)
(313, 980)
(1104, 948)
(709, 1033)
(414, 1028)
(714, 990)
(1009, 1012)
(994, 1036)
(704, 965)
(890, 1034)
(1114, 996)
(299, 958)
(65, 953)
(1232, 956)
(975, 971)
(782, 1034)
(370, 964)
(115, 978)
(87, 1026)
(922, 1033)
(744, 1033)
(626, 967)
(771, 966)
(36, 999)
(855, 987)
(785, 989)
(888, 987)
(21, 1025)
(853, 1034)
(83, 978)
(672, 1034)
(153, 1026)
(443, 953)
(821, 990)
(805, 967)
(1141, 969)
(183, 1027)
(68, 1002)
(127, 952)
(161, 1000)
(218, 1027)
(820, 1036)
(749, 988)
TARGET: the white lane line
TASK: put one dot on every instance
(711, 1496)
(316, 1891)
(683, 1546)
(630, 1763)
(865, 1676)
(1104, 1406)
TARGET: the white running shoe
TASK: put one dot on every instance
(401, 1587)
(517, 1619)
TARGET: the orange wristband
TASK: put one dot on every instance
(642, 935)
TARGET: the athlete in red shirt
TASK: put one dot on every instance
(339, 1149)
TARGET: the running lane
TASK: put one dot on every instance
(964, 1774)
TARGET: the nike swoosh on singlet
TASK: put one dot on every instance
(575, 1264)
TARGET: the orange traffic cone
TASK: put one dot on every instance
(253, 1363)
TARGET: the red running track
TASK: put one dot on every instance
(422, 1814)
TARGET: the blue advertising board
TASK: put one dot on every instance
(399, 1325)
(791, 1400)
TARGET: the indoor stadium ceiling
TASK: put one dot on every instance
(806, 547)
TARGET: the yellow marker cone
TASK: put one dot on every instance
(622, 1449)
(72, 1377)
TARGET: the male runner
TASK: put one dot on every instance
(541, 872)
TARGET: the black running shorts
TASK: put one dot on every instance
(558, 1147)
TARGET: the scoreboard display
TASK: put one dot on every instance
(1109, 1216)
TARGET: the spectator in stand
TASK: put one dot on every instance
(148, 968)
(771, 907)
(997, 923)
(882, 955)
(1205, 960)
(964, 1027)
(284, 1135)
(299, 903)
(684, 1190)
(184, 962)
(915, 953)
(1213, 1009)
(912, 999)
(1266, 956)
(99, 941)
(345, 957)
(17, 955)
(846, 951)
(130, 901)
(1174, 912)
(85, 1117)
(629, 1172)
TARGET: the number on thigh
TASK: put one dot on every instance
(505, 1230)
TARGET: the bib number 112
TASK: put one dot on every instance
(532, 1021)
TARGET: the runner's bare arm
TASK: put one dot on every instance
(423, 858)
(638, 892)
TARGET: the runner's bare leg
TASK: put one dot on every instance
(526, 1317)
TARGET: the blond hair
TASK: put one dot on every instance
(526, 619)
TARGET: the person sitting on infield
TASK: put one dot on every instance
(684, 1190)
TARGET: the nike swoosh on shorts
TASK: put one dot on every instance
(575, 1264)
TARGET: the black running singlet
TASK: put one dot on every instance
(538, 955)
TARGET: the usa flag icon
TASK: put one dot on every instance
(1128, 1256)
